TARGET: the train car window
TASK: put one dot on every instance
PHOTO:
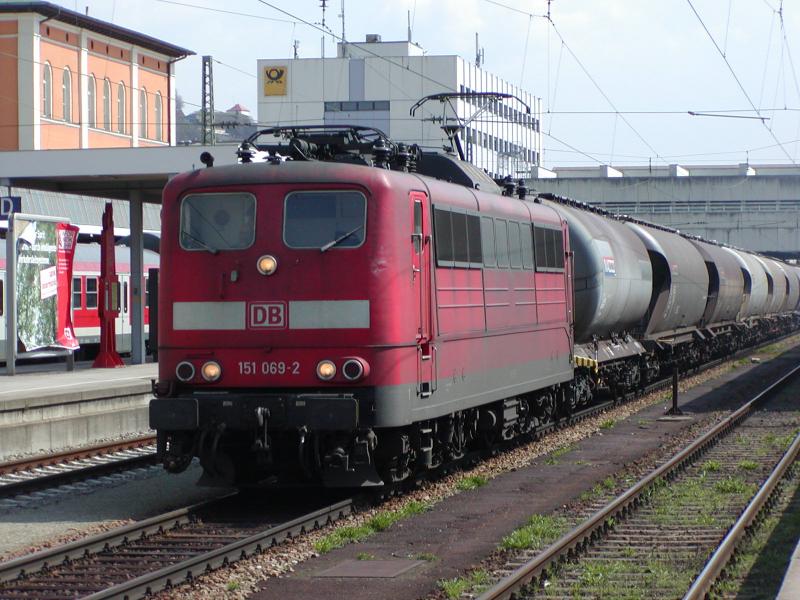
(2, 299)
(474, 240)
(540, 246)
(526, 240)
(558, 248)
(147, 292)
(487, 242)
(515, 250)
(444, 237)
(125, 297)
(501, 242)
(76, 293)
(549, 245)
(460, 242)
(213, 222)
(91, 292)
(328, 220)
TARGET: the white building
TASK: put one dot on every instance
(376, 83)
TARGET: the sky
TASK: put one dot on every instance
(618, 78)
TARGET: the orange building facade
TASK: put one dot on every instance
(81, 82)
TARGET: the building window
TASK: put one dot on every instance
(143, 113)
(157, 115)
(66, 97)
(91, 100)
(121, 107)
(47, 91)
(106, 105)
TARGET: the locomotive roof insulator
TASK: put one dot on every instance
(509, 187)
(381, 153)
(522, 189)
(246, 152)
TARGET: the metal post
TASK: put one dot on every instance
(11, 300)
(675, 410)
(137, 278)
(209, 139)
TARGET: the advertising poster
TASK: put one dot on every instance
(44, 256)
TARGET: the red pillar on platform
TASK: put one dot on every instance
(108, 286)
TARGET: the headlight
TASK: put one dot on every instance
(185, 371)
(353, 369)
(326, 370)
(211, 371)
(267, 264)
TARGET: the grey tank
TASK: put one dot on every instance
(755, 284)
(792, 289)
(776, 285)
(726, 284)
(612, 273)
(794, 271)
(680, 282)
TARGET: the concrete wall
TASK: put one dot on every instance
(760, 212)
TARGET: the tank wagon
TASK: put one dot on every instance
(346, 311)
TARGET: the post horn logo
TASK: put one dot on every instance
(275, 73)
(275, 81)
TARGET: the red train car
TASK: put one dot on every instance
(340, 323)
(85, 297)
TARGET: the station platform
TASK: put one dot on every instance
(790, 588)
(44, 407)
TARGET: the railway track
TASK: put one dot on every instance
(163, 551)
(143, 558)
(32, 474)
(654, 539)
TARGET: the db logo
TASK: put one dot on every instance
(267, 315)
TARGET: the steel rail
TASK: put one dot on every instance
(174, 574)
(186, 570)
(726, 549)
(577, 539)
(72, 473)
(44, 460)
(52, 557)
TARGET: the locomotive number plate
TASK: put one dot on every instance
(269, 367)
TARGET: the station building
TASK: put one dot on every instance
(376, 83)
(72, 81)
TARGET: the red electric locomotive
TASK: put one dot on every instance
(323, 320)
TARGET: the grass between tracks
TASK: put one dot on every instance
(378, 522)
(763, 559)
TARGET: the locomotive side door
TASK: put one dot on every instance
(421, 283)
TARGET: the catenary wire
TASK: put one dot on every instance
(739, 83)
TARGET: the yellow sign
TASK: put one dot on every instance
(275, 80)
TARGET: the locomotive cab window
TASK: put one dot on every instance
(325, 220)
(213, 222)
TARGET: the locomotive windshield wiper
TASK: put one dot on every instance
(200, 242)
(341, 238)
